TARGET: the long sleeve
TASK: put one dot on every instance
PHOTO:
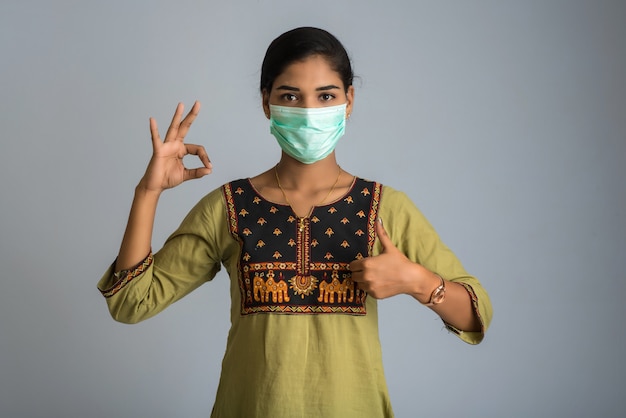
(191, 256)
(412, 234)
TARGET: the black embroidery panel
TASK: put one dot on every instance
(300, 265)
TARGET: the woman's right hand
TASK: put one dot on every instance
(166, 168)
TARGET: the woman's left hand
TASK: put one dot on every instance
(390, 273)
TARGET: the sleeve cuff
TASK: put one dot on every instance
(467, 336)
(122, 278)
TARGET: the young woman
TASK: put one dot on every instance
(305, 247)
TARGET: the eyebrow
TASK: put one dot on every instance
(323, 88)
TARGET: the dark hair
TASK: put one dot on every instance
(299, 44)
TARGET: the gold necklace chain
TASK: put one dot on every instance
(320, 203)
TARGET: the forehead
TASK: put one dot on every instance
(312, 72)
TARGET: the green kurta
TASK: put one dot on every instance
(286, 364)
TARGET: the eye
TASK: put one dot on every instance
(326, 97)
(289, 97)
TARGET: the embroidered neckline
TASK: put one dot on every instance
(332, 202)
(321, 202)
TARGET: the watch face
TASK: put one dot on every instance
(438, 296)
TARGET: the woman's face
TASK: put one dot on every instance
(308, 83)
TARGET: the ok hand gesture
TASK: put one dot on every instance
(166, 168)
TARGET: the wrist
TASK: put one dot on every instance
(426, 286)
(438, 295)
(142, 190)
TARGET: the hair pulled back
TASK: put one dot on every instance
(299, 44)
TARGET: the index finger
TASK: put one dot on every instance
(185, 124)
(172, 130)
(356, 266)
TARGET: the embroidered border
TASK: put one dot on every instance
(234, 228)
(303, 248)
(307, 309)
(290, 265)
(474, 299)
(128, 276)
(232, 211)
(373, 216)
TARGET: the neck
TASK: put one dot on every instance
(295, 175)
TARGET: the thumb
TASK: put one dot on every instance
(382, 235)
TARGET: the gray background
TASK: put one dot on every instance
(504, 121)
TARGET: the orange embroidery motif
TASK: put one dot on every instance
(277, 231)
(273, 209)
(359, 232)
(291, 242)
(246, 232)
(332, 210)
(345, 244)
(360, 214)
(277, 255)
(336, 287)
(345, 221)
(315, 219)
(328, 256)
(243, 212)
(314, 243)
(303, 285)
(256, 200)
(239, 190)
(291, 219)
(348, 199)
(329, 232)
(263, 289)
(261, 221)
(365, 192)
(260, 243)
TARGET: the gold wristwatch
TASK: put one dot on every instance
(439, 294)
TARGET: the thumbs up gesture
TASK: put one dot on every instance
(388, 274)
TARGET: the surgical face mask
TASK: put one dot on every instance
(305, 133)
